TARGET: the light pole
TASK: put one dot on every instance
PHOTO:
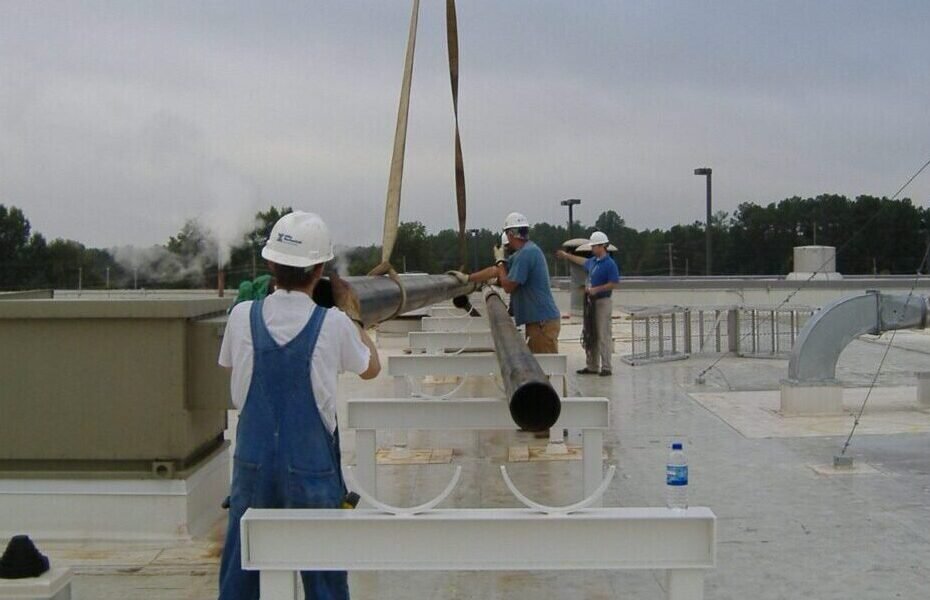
(706, 171)
(474, 247)
(571, 221)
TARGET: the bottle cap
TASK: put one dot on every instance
(676, 446)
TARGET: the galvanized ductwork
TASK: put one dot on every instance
(828, 332)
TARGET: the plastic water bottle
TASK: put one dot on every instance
(676, 478)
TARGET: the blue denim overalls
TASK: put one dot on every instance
(285, 456)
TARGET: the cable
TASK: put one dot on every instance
(838, 250)
(881, 363)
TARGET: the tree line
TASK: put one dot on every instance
(872, 235)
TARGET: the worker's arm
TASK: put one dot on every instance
(578, 260)
(374, 363)
(483, 275)
(502, 280)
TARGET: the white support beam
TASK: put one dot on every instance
(454, 324)
(366, 452)
(592, 452)
(464, 414)
(466, 364)
(278, 584)
(436, 342)
(479, 414)
(280, 542)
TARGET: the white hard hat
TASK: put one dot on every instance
(299, 239)
(515, 220)
(504, 240)
(599, 238)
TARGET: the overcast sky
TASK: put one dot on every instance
(119, 120)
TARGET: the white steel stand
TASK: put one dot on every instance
(403, 369)
(280, 542)
(399, 448)
(454, 324)
(365, 416)
(438, 342)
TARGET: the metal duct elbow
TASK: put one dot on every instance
(826, 334)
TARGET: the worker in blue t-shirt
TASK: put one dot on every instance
(603, 275)
(525, 276)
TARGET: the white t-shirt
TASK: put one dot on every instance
(338, 349)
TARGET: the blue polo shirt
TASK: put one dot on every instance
(532, 301)
(601, 271)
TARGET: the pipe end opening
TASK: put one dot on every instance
(535, 406)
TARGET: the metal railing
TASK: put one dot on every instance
(666, 333)
(659, 334)
(769, 331)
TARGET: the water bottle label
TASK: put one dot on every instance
(676, 475)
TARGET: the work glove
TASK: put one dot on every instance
(344, 299)
(461, 277)
(252, 290)
(499, 256)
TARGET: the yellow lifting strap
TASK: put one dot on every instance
(452, 40)
(395, 180)
(392, 207)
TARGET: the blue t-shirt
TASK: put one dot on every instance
(532, 301)
(601, 271)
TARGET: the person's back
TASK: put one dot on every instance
(525, 276)
(532, 301)
(287, 441)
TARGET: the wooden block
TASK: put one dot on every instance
(418, 456)
(518, 454)
(538, 454)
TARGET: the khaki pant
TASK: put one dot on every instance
(543, 337)
(603, 347)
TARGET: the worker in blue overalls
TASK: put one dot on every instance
(286, 354)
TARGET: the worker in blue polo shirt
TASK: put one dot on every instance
(525, 276)
(603, 275)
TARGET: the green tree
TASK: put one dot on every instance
(22, 252)
(412, 252)
(245, 261)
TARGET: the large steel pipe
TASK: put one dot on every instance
(534, 403)
(379, 298)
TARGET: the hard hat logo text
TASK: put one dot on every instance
(286, 239)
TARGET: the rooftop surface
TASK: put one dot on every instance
(788, 526)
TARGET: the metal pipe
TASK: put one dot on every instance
(534, 403)
(377, 299)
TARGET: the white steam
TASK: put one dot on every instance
(341, 261)
(157, 265)
(231, 212)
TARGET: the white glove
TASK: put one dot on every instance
(461, 277)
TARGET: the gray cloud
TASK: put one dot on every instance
(119, 120)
